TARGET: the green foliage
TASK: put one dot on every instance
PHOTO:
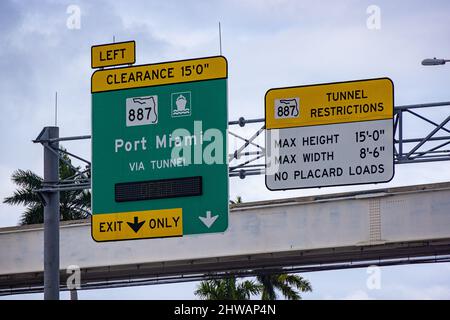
(267, 285)
(74, 205)
(290, 286)
(238, 200)
(227, 289)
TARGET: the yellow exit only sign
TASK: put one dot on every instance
(113, 54)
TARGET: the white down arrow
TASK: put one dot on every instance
(208, 220)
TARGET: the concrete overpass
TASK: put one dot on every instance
(384, 226)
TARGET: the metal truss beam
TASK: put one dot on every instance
(428, 148)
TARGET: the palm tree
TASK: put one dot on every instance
(227, 289)
(290, 286)
(74, 205)
(237, 201)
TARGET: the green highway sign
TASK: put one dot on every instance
(159, 150)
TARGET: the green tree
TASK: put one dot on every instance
(290, 286)
(227, 289)
(74, 204)
(237, 201)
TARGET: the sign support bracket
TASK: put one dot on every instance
(436, 153)
(50, 196)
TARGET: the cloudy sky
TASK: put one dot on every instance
(268, 43)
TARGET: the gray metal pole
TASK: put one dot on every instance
(73, 294)
(51, 218)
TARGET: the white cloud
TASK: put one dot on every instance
(402, 291)
(268, 44)
(409, 291)
(357, 295)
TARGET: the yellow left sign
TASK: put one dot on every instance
(137, 225)
(113, 54)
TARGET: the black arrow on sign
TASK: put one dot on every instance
(136, 225)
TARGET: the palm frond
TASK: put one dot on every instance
(246, 289)
(287, 291)
(23, 196)
(210, 290)
(268, 291)
(26, 179)
(227, 289)
(290, 286)
(296, 281)
(82, 199)
(74, 204)
(33, 215)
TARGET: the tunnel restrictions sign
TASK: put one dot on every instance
(330, 134)
(159, 162)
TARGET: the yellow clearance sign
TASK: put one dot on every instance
(331, 103)
(113, 54)
(159, 74)
(137, 225)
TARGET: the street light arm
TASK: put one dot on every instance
(434, 62)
